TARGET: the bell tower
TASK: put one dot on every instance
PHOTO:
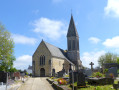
(73, 43)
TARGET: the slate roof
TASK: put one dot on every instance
(56, 52)
(72, 31)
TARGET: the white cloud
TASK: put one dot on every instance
(23, 62)
(94, 40)
(89, 57)
(112, 43)
(112, 8)
(50, 29)
(23, 39)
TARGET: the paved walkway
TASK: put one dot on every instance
(36, 84)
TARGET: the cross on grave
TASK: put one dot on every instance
(91, 65)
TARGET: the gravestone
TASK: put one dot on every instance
(112, 70)
(3, 76)
(88, 72)
(22, 74)
(74, 74)
(61, 73)
(81, 79)
(53, 72)
(17, 75)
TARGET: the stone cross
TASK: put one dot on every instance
(91, 65)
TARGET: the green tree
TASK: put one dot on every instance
(117, 60)
(6, 49)
(107, 58)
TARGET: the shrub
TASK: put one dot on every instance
(26, 73)
(106, 70)
(62, 81)
(97, 74)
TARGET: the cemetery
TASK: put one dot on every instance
(13, 80)
(86, 79)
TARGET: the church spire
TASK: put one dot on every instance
(72, 28)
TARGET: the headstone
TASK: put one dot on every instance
(53, 72)
(112, 70)
(22, 74)
(17, 75)
(3, 76)
(88, 72)
(74, 74)
(81, 79)
(61, 73)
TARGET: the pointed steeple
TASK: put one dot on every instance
(72, 28)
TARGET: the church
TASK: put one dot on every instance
(49, 59)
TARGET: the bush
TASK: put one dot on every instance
(106, 70)
(62, 81)
(97, 74)
(26, 73)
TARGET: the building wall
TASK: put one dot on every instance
(57, 64)
(42, 50)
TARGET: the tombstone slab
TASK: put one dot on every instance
(3, 76)
(81, 79)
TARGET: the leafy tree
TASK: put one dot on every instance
(6, 49)
(13, 69)
(107, 58)
(117, 60)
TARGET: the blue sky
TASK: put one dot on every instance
(30, 21)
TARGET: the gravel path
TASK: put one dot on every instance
(36, 84)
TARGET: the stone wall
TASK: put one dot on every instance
(57, 64)
(42, 50)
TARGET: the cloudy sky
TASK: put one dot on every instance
(30, 21)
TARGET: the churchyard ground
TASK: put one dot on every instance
(38, 83)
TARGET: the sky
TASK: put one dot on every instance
(30, 21)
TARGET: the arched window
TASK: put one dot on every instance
(73, 45)
(49, 62)
(69, 44)
(42, 60)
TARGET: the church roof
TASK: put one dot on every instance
(56, 52)
(72, 28)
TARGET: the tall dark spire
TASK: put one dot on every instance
(72, 28)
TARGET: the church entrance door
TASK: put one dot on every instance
(42, 72)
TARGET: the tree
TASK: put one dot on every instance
(107, 58)
(117, 60)
(6, 49)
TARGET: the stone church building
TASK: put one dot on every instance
(49, 59)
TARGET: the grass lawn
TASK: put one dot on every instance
(91, 87)
(101, 87)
